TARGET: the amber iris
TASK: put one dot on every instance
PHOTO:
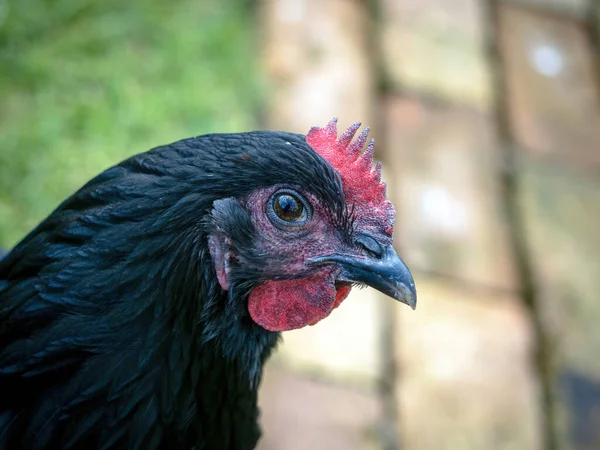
(288, 208)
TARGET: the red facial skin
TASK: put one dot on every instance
(310, 296)
(279, 305)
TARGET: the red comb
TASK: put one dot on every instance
(362, 186)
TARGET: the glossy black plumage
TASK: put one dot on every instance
(114, 332)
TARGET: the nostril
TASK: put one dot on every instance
(370, 245)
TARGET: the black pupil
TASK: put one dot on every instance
(287, 207)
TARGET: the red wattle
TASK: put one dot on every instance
(291, 304)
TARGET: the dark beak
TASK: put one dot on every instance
(387, 274)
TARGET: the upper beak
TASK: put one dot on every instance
(387, 274)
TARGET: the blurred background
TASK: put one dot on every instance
(486, 115)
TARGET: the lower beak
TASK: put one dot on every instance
(387, 274)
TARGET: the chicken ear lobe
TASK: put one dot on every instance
(228, 223)
(219, 245)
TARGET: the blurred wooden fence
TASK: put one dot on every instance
(487, 118)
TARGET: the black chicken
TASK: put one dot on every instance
(140, 312)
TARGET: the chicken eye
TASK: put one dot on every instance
(288, 208)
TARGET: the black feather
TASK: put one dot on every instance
(114, 331)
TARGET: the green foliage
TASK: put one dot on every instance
(85, 84)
